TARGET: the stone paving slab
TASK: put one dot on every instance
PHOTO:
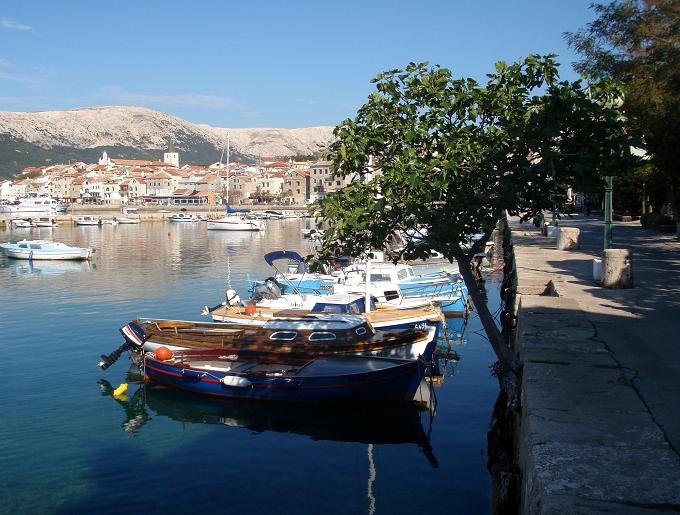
(593, 431)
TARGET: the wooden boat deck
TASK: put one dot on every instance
(318, 366)
(381, 314)
(316, 339)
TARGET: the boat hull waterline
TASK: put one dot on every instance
(321, 379)
(234, 224)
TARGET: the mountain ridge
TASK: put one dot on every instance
(49, 137)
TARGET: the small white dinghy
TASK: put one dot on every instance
(128, 221)
(87, 220)
(44, 221)
(22, 224)
(184, 217)
(44, 249)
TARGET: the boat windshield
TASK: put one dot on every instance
(375, 278)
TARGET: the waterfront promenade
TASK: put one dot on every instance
(600, 421)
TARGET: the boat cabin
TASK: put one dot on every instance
(343, 304)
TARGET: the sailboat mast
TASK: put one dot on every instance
(227, 170)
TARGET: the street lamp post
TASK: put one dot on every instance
(608, 213)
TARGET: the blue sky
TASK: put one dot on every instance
(258, 63)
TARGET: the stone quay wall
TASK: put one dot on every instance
(599, 426)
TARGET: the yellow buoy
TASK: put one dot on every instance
(120, 390)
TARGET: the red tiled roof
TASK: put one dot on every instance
(161, 175)
(183, 192)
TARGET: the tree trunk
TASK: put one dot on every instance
(500, 347)
(674, 202)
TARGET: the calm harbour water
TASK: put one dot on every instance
(66, 446)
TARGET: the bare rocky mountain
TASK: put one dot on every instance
(134, 132)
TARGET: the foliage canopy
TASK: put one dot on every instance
(445, 157)
(637, 43)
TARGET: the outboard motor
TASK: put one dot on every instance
(232, 298)
(107, 360)
(271, 289)
(134, 334)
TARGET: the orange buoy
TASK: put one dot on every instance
(163, 353)
(250, 309)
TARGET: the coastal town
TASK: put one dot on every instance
(115, 182)
(421, 267)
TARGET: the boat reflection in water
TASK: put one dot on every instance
(383, 423)
(48, 267)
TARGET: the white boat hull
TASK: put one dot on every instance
(44, 223)
(52, 251)
(30, 209)
(235, 224)
(21, 224)
(63, 256)
(86, 220)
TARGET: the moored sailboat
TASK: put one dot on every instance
(234, 219)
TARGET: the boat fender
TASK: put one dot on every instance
(236, 381)
(120, 390)
(163, 353)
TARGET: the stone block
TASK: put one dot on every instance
(617, 268)
(567, 238)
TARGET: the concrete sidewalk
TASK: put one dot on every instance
(600, 429)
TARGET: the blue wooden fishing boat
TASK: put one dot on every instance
(288, 377)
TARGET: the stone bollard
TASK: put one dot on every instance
(567, 238)
(617, 268)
